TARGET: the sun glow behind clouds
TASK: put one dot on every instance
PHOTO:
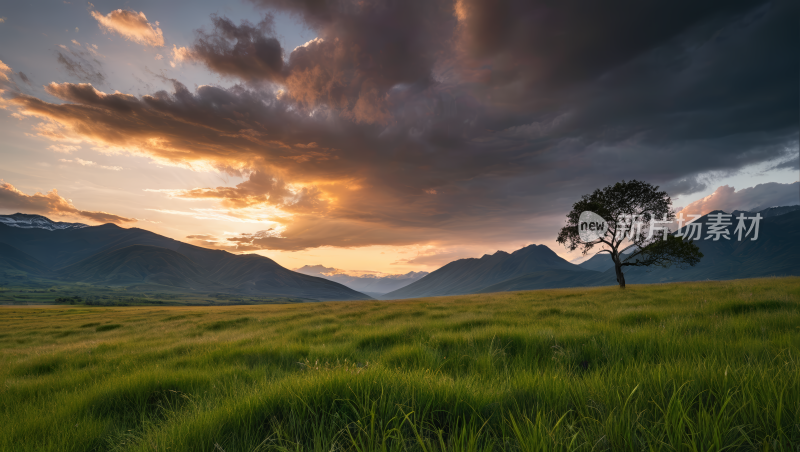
(333, 156)
(263, 215)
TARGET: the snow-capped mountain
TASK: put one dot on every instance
(25, 221)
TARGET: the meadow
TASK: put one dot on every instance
(48, 292)
(705, 366)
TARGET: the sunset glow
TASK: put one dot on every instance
(375, 137)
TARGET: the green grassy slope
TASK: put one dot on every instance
(680, 367)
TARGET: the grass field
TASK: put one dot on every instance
(47, 292)
(681, 367)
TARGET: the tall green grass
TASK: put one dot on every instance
(711, 366)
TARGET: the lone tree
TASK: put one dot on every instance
(635, 212)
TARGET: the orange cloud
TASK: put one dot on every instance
(260, 189)
(183, 130)
(179, 54)
(132, 26)
(51, 204)
(4, 69)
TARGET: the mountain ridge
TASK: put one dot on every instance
(770, 255)
(210, 270)
(472, 274)
(29, 221)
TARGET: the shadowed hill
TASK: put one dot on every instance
(138, 264)
(471, 275)
(60, 248)
(547, 279)
(603, 262)
(254, 274)
(773, 254)
(14, 264)
(93, 254)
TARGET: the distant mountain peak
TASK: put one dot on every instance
(27, 221)
(375, 284)
(470, 275)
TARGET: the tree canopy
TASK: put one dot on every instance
(637, 214)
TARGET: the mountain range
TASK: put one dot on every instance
(32, 246)
(471, 275)
(774, 253)
(25, 221)
(372, 285)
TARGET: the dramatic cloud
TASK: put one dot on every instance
(51, 203)
(425, 122)
(362, 51)
(246, 51)
(259, 189)
(759, 197)
(132, 26)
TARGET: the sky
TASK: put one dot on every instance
(390, 136)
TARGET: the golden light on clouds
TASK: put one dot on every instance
(4, 71)
(447, 126)
(52, 203)
(132, 26)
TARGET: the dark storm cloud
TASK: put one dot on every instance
(361, 52)
(573, 41)
(247, 51)
(432, 121)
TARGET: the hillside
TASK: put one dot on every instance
(14, 264)
(471, 275)
(254, 274)
(602, 262)
(138, 264)
(775, 253)
(92, 254)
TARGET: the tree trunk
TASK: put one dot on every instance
(620, 276)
